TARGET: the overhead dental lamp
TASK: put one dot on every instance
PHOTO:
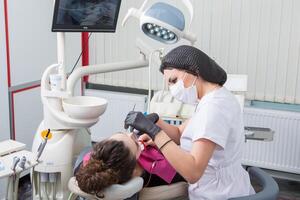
(163, 22)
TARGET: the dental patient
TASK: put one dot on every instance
(117, 159)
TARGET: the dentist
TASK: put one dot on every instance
(206, 149)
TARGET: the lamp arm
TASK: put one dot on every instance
(190, 36)
(102, 68)
(190, 7)
(132, 12)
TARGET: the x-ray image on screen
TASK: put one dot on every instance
(86, 14)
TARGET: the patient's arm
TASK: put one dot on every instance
(174, 132)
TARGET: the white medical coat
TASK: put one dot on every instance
(218, 118)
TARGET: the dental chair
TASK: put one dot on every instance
(177, 191)
(132, 190)
(269, 188)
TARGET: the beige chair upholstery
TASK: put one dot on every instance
(175, 191)
(114, 192)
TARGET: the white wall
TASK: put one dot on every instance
(32, 44)
(27, 118)
(119, 104)
(32, 49)
(4, 116)
(255, 37)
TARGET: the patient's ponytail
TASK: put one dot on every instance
(111, 163)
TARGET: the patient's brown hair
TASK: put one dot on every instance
(111, 162)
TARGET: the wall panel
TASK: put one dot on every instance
(259, 38)
(32, 44)
(32, 49)
(119, 104)
(28, 115)
(4, 113)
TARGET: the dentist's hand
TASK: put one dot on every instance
(147, 140)
(140, 122)
(153, 117)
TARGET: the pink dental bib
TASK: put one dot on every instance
(154, 162)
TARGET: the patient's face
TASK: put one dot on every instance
(130, 141)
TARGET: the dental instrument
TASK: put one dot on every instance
(14, 160)
(42, 145)
(130, 129)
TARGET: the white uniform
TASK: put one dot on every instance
(218, 118)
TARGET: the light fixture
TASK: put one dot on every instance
(163, 22)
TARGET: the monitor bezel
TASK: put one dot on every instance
(78, 28)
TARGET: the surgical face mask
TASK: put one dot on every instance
(186, 95)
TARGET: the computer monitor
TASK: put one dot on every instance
(85, 15)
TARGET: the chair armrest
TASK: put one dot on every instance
(269, 190)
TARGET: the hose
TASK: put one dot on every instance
(8, 186)
(39, 185)
(16, 184)
(70, 196)
(45, 190)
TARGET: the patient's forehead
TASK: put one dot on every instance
(120, 136)
(128, 141)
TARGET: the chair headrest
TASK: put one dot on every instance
(114, 192)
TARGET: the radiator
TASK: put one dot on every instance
(283, 153)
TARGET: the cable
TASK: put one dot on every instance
(45, 190)
(8, 187)
(70, 196)
(54, 190)
(83, 49)
(16, 187)
(39, 185)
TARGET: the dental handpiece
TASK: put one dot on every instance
(16, 160)
(22, 163)
(129, 129)
(41, 148)
(136, 132)
(42, 145)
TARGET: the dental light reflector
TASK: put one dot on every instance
(160, 20)
(159, 33)
(164, 22)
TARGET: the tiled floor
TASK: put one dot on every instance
(288, 190)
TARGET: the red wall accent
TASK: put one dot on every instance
(85, 51)
(7, 43)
